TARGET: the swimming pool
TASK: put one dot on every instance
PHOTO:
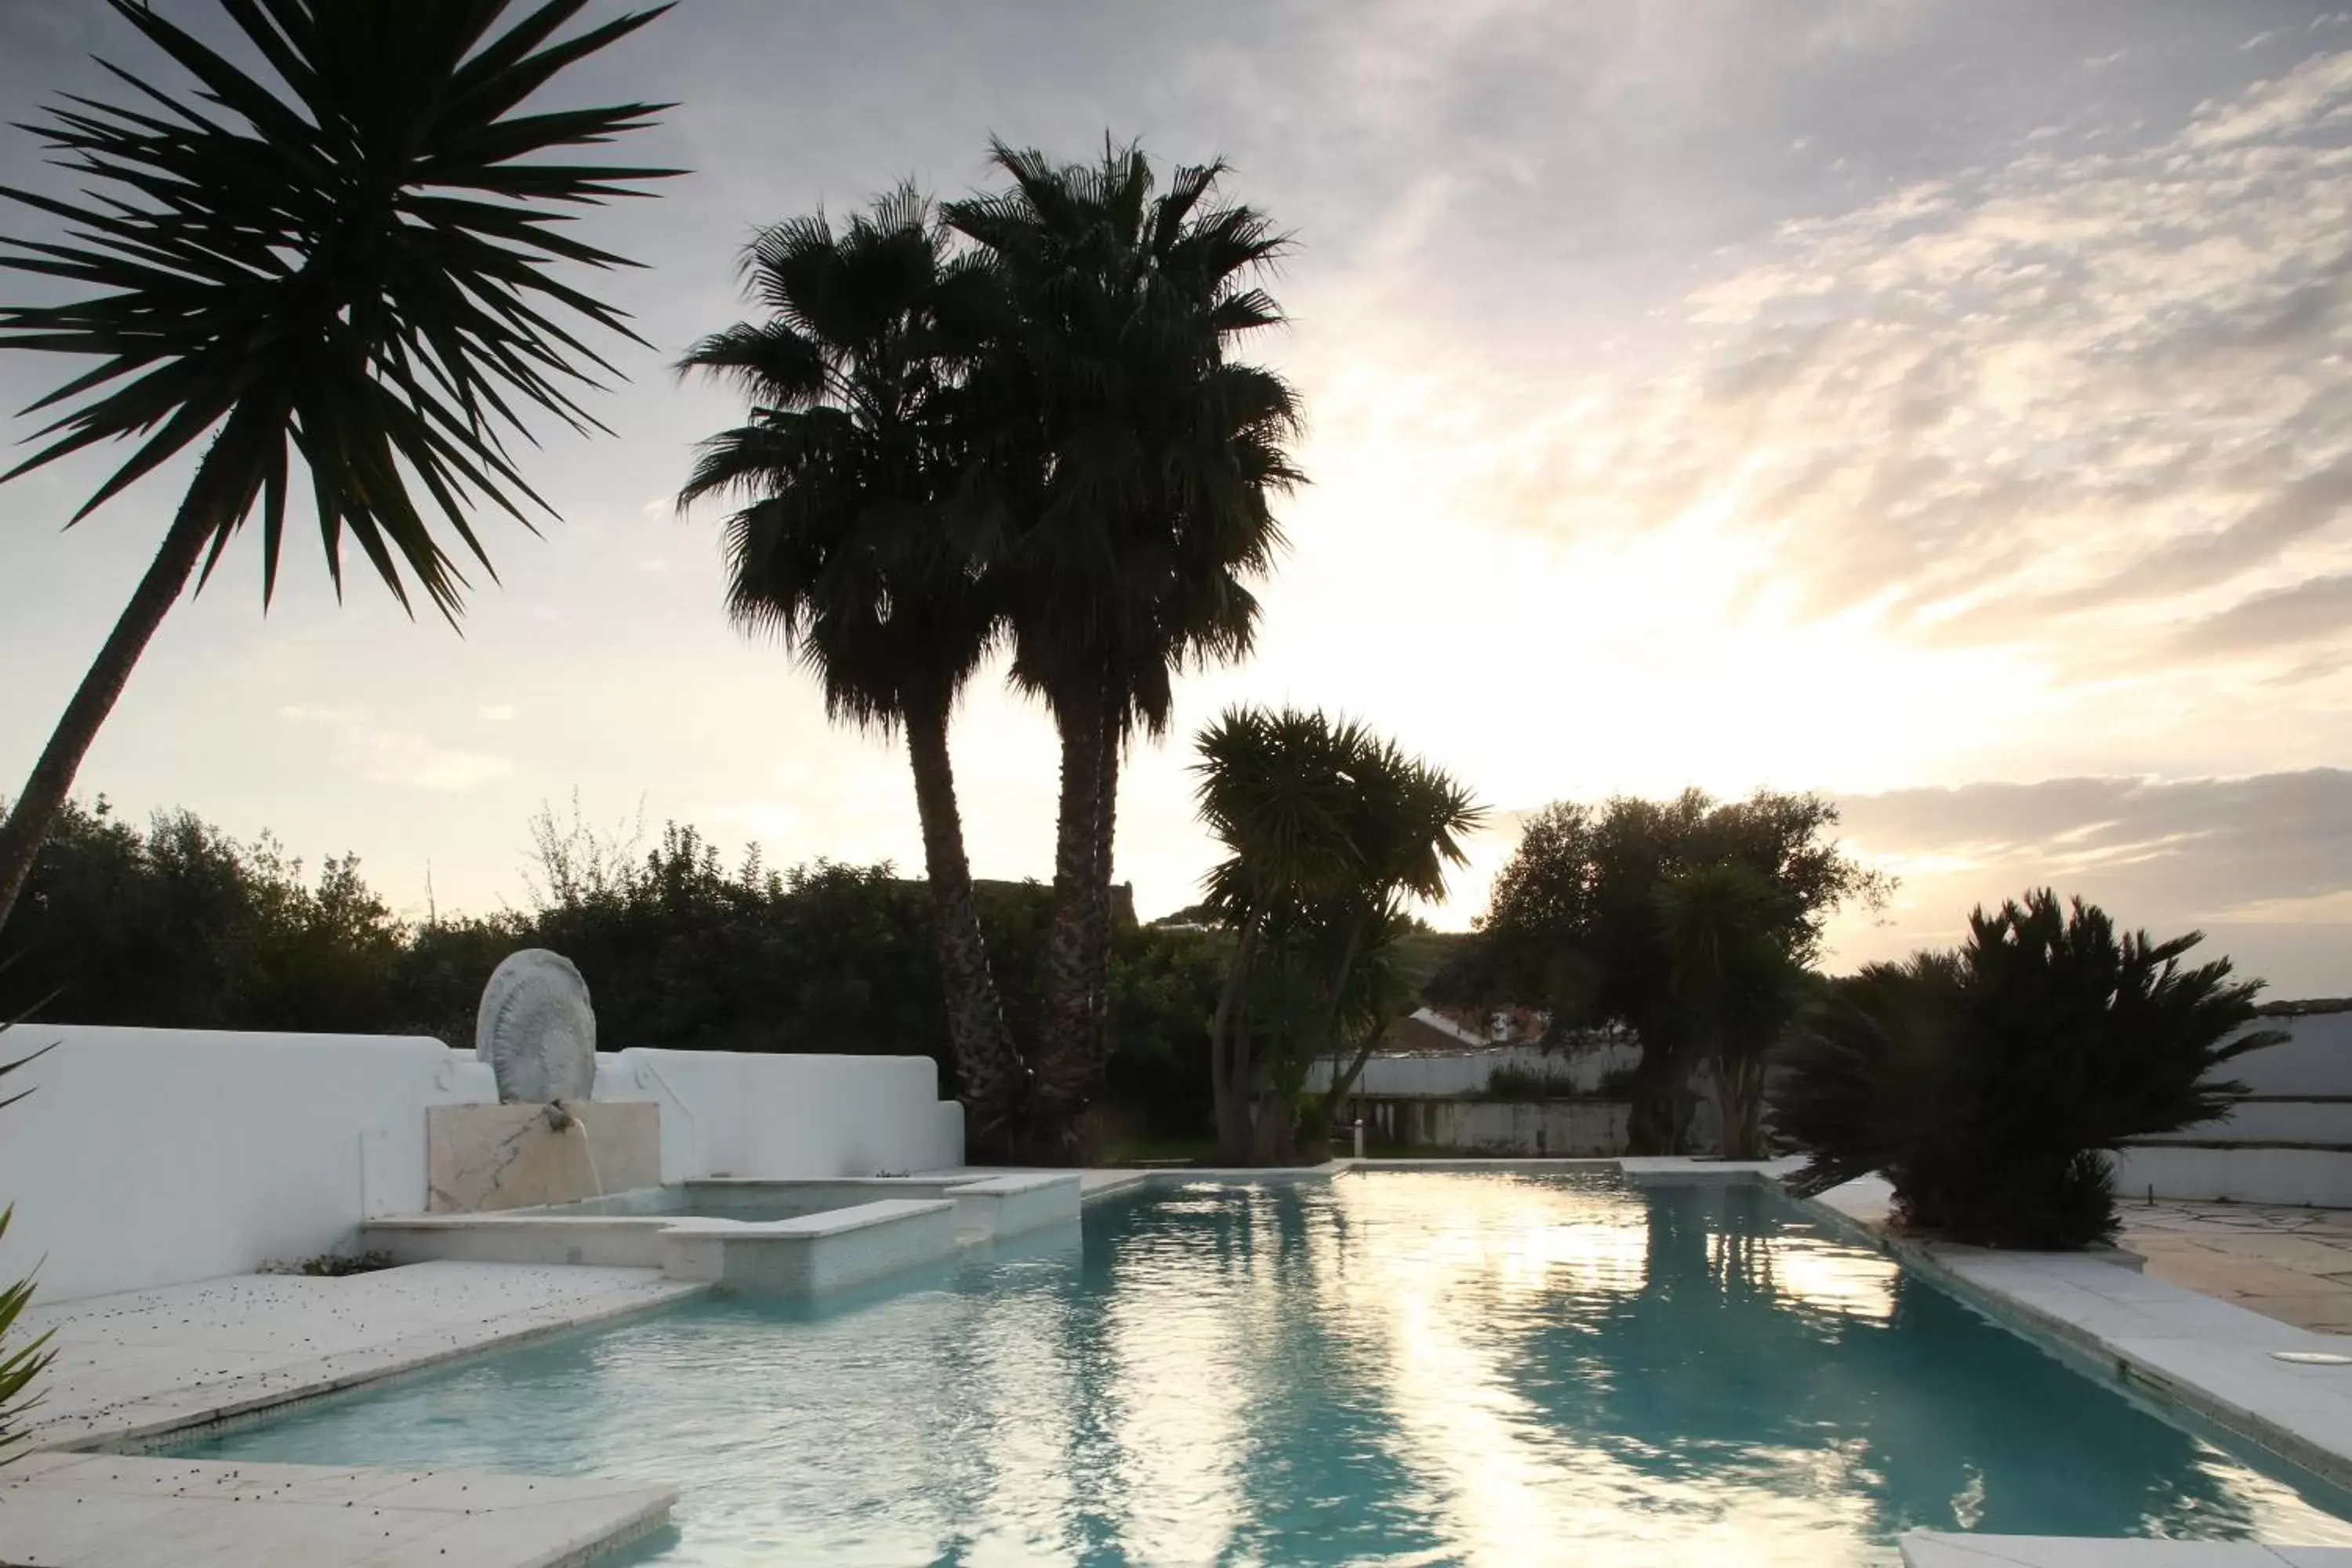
(1387, 1367)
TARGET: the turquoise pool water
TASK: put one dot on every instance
(1401, 1368)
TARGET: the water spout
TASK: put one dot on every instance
(560, 1118)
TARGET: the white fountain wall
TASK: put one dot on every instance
(153, 1156)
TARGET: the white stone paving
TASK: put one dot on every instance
(1930, 1550)
(112, 1510)
(148, 1362)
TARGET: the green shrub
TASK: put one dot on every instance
(19, 1364)
(1527, 1083)
(1983, 1083)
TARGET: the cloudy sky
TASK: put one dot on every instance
(1941, 405)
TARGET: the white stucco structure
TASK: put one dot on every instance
(2289, 1141)
(152, 1156)
(1448, 1075)
(772, 1118)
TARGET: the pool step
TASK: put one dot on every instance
(868, 1237)
(814, 1255)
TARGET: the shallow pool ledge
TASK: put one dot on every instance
(1922, 1549)
(814, 1255)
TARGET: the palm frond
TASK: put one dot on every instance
(355, 259)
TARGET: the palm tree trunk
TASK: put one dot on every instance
(1341, 1085)
(1065, 1031)
(988, 1067)
(1093, 1071)
(1230, 1072)
(36, 809)
(1654, 1122)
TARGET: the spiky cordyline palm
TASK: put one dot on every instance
(353, 262)
(1134, 469)
(857, 441)
(1407, 821)
(1327, 830)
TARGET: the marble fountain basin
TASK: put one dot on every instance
(794, 1238)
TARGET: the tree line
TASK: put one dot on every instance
(175, 925)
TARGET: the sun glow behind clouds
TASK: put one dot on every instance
(1989, 475)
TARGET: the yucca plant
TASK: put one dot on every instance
(351, 266)
(1329, 829)
(1986, 1083)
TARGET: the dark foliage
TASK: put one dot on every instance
(1983, 1082)
(1575, 928)
(182, 927)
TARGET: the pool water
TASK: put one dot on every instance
(1403, 1368)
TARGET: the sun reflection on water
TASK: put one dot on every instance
(1425, 1368)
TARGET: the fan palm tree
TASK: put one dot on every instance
(355, 263)
(1132, 474)
(859, 434)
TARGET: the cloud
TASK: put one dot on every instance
(2307, 611)
(2065, 403)
(2295, 99)
(404, 759)
(2264, 863)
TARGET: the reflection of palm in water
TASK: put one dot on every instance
(1365, 1371)
(1712, 1375)
(1942, 1420)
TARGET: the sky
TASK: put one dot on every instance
(1943, 407)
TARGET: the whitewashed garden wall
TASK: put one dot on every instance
(150, 1156)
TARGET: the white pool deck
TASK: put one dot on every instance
(108, 1511)
(136, 1367)
(146, 1363)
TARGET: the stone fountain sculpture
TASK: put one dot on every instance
(537, 1030)
(545, 1141)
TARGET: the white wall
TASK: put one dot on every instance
(2291, 1142)
(1453, 1073)
(151, 1156)
(773, 1117)
(1559, 1128)
(2319, 1178)
(146, 1156)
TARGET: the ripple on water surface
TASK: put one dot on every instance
(1404, 1368)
